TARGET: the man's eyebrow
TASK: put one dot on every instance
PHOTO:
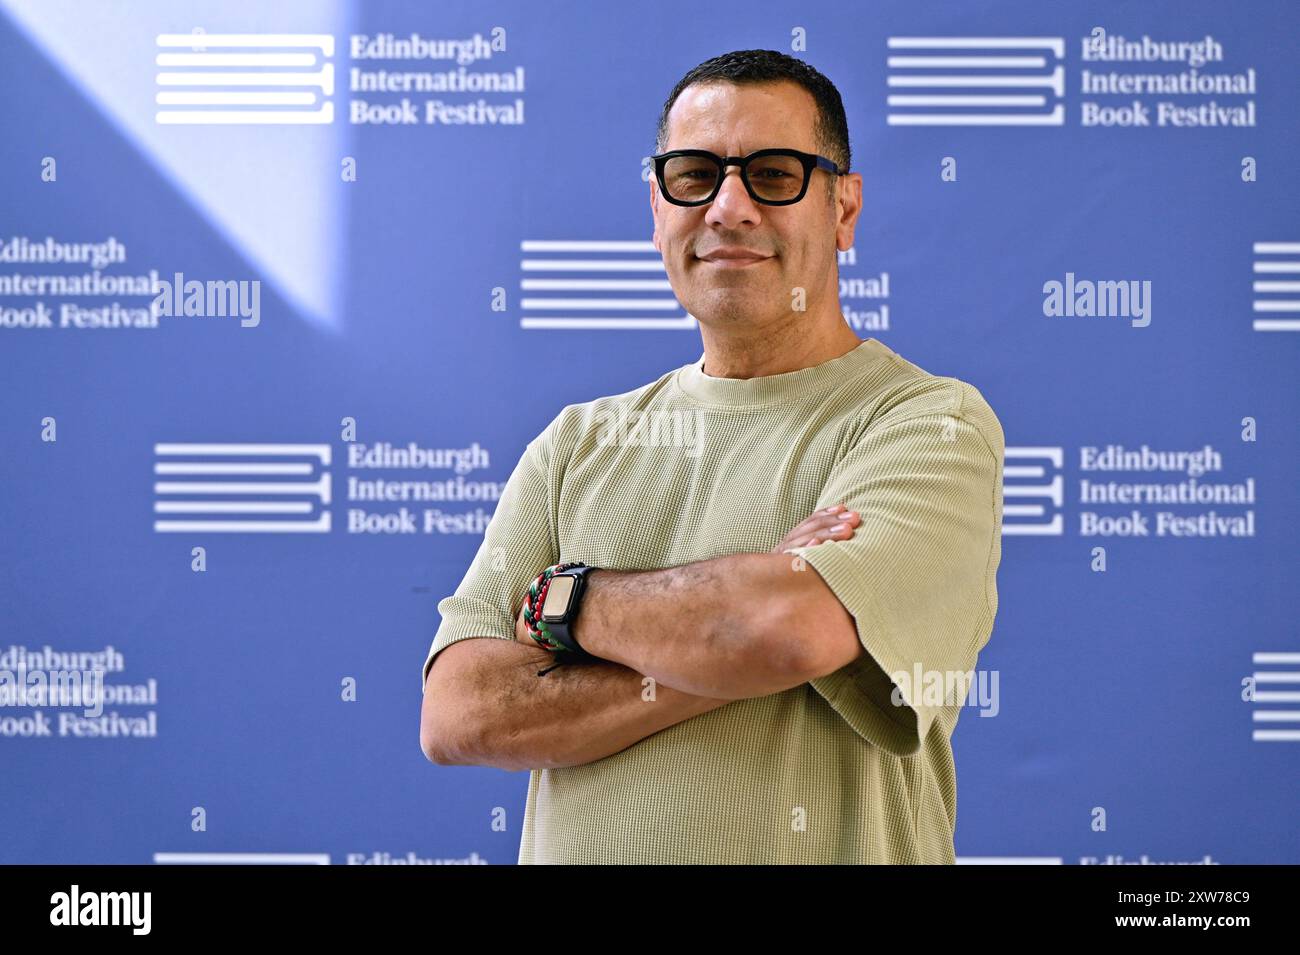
(747, 152)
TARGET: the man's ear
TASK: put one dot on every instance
(848, 208)
(654, 212)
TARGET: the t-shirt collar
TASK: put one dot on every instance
(770, 389)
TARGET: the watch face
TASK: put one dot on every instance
(558, 594)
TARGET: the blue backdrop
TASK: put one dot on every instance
(396, 210)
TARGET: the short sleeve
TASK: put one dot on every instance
(918, 575)
(518, 542)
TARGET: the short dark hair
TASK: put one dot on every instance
(830, 127)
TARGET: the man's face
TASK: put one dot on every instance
(790, 246)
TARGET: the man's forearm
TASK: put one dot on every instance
(711, 628)
(575, 714)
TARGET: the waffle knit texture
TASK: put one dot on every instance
(836, 770)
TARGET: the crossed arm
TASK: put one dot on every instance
(674, 643)
(728, 628)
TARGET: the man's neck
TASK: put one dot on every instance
(763, 355)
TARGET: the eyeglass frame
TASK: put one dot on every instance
(810, 161)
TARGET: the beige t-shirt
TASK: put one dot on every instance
(830, 771)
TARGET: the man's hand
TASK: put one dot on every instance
(832, 523)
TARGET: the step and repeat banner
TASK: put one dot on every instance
(285, 289)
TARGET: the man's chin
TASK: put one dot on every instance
(727, 304)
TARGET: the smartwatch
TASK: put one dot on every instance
(561, 605)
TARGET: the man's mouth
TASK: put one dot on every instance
(733, 258)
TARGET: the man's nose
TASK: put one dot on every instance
(732, 204)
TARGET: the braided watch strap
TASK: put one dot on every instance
(535, 598)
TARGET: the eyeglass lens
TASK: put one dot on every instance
(692, 178)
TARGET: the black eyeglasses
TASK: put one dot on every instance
(774, 177)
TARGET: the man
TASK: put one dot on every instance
(773, 598)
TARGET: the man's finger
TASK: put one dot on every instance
(825, 522)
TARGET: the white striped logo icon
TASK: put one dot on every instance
(1277, 681)
(597, 285)
(1277, 295)
(245, 78)
(242, 488)
(1035, 482)
(976, 81)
